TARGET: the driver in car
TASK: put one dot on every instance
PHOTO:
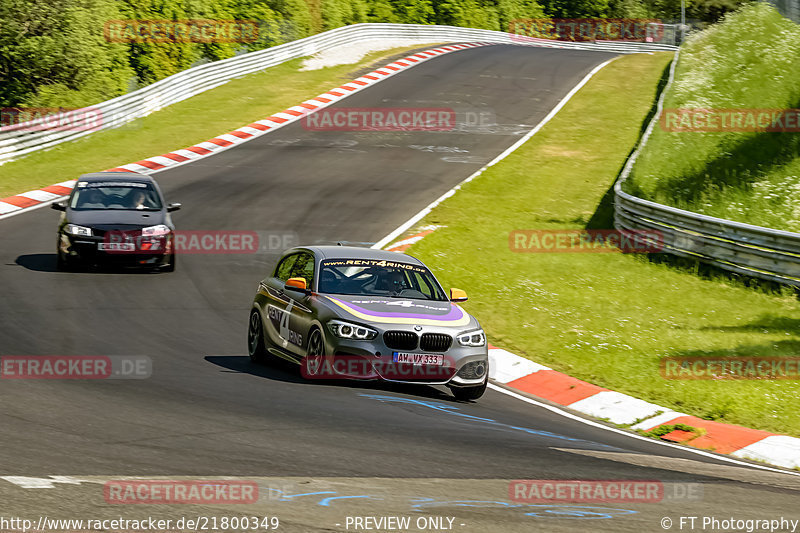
(397, 281)
(92, 199)
(138, 200)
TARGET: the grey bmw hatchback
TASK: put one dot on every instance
(345, 312)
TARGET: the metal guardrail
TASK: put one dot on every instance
(755, 251)
(788, 8)
(22, 139)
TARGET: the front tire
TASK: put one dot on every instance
(170, 266)
(466, 394)
(61, 263)
(255, 339)
(315, 355)
(65, 264)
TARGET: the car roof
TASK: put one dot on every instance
(358, 252)
(116, 176)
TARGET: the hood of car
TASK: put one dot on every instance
(115, 218)
(400, 310)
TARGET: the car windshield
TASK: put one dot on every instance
(115, 195)
(371, 277)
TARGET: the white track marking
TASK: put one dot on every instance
(43, 482)
(419, 216)
(561, 412)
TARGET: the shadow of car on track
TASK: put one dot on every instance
(38, 262)
(48, 263)
(285, 371)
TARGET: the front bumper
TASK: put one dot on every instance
(79, 249)
(464, 366)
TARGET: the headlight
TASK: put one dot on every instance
(346, 330)
(81, 231)
(154, 231)
(472, 338)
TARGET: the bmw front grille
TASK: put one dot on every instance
(406, 340)
(400, 340)
(435, 342)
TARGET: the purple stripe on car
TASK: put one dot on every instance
(455, 312)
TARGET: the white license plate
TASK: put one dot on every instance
(116, 246)
(418, 358)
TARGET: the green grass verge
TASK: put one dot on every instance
(749, 61)
(186, 123)
(605, 318)
(660, 431)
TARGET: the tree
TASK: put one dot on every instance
(53, 53)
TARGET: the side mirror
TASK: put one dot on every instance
(58, 206)
(296, 284)
(173, 207)
(457, 295)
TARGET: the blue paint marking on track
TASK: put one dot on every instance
(569, 511)
(566, 511)
(454, 410)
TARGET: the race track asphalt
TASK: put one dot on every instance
(207, 411)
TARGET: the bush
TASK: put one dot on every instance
(750, 60)
(52, 54)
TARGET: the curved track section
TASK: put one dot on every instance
(382, 449)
